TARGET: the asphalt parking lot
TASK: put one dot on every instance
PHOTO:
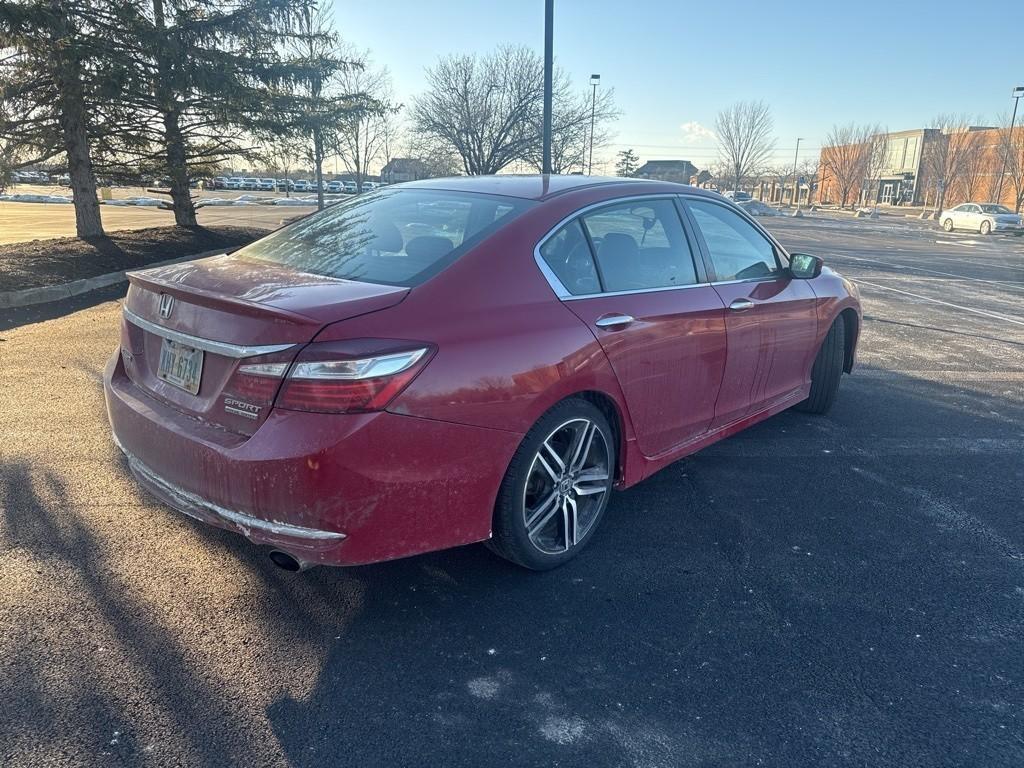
(816, 591)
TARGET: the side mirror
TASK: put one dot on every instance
(803, 266)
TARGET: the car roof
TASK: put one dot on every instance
(540, 187)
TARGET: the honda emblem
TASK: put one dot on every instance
(166, 305)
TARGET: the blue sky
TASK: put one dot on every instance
(675, 64)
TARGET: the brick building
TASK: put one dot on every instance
(904, 178)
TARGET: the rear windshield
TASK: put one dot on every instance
(393, 236)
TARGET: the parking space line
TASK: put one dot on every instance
(1008, 283)
(983, 313)
(873, 447)
(953, 376)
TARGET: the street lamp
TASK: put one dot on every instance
(1015, 94)
(796, 186)
(549, 68)
(595, 80)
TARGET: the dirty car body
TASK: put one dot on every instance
(353, 387)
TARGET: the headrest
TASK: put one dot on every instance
(428, 247)
(618, 244)
(386, 236)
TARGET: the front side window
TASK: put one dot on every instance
(394, 237)
(737, 250)
(641, 245)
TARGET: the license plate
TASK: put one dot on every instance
(180, 365)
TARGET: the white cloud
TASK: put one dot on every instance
(694, 131)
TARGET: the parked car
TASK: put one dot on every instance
(757, 208)
(736, 196)
(369, 186)
(267, 185)
(458, 360)
(349, 187)
(335, 187)
(980, 217)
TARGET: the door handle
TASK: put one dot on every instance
(740, 305)
(613, 321)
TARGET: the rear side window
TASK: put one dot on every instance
(567, 253)
(738, 251)
(395, 237)
(641, 245)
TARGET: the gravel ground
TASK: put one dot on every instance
(817, 591)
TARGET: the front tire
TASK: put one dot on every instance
(827, 370)
(556, 488)
(948, 225)
(986, 228)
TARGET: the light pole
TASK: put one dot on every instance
(595, 80)
(1016, 94)
(796, 189)
(549, 67)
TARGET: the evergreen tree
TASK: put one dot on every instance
(52, 77)
(627, 163)
(202, 79)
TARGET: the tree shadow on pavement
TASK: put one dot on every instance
(814, 591)
(797, 598)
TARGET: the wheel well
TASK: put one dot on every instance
(610, 409)
(852, 329)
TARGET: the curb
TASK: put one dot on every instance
(47, 293)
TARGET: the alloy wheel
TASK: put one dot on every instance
(566, 486)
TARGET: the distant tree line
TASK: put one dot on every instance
(175, 89)
(165, 87)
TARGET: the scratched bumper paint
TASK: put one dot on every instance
(336, 489)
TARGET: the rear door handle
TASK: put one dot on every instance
(739, 305)
(613, 321)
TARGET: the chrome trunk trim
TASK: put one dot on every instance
(207, 345)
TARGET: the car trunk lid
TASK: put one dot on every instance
(212, 337)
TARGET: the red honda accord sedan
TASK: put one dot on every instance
(469, 359)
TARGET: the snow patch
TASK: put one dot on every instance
(562, 730)
(484, 687)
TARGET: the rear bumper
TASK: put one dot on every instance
(306, 544)
(328, 489)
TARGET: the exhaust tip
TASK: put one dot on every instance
(285, 561)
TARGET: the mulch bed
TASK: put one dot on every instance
(61, 260)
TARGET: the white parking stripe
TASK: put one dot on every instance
(1007, 283)
(994, 315)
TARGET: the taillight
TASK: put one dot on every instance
(250, 390)
(341, 377)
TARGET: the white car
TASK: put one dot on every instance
(980, 217)
(757, 208)
(267, 185)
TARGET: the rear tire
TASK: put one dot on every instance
(986, 228)
(827, 370)
(556, 488)
(948, 225)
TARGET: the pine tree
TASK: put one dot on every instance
(205, 77)
(51, 79)
(627, 163)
